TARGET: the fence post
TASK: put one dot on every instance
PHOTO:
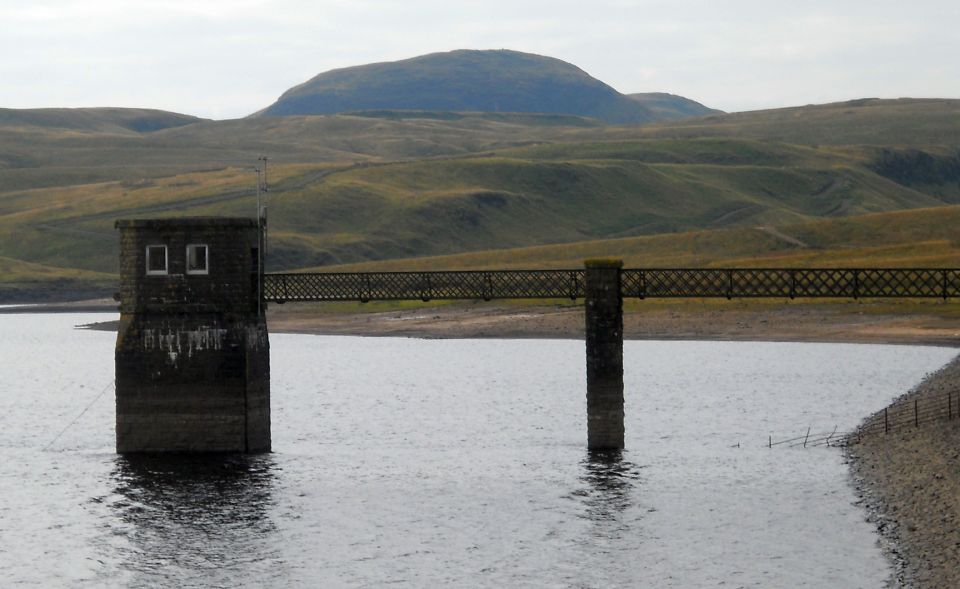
(603, 310)
(427, 287)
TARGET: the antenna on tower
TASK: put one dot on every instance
(262, 211)
(261, 227)
(264, 159)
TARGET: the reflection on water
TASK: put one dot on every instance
(195, 513)
(611, 483)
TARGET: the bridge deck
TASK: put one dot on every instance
(636, 283)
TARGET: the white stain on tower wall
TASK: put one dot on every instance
(177, 342)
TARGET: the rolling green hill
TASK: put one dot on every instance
(382, 185)
(78, 152)
(916, 238)
(535, 196)
(341, 213)
(24, 281)
(904, 122)
(101, 120)
(35, 157)
(926, 237)
(464, 80)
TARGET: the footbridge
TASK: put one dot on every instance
(604, 284)
(729, 283)
(192, 357)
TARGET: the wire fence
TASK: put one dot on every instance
(901, 415)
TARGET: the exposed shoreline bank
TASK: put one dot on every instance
(724, 321)
(909, 481)
(876, 322)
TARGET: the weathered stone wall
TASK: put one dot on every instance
(192, 354)
(258, 388)
(604, 341)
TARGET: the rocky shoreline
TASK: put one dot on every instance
(874, 322)
(733, 321)
(909, 482)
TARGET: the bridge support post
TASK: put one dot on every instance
(604, 343)
(192, 354)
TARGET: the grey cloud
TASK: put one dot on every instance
(226, 59)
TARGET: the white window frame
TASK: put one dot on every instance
(166, 260)
(206, 258)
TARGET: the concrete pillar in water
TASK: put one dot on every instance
(604, 337)
(192, 354)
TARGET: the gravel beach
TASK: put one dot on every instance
(731, 321)
(909, 482)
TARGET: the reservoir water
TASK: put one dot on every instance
(461, 463)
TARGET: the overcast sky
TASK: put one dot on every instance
(228, 58)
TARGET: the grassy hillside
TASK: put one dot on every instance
(921, 237)
(78, 151)
(100, 120)
(330, 214)
(24, 281)
(37, 157)
(918, 238)
(72, 227)
(910, 122)
(388, 185)
(464, 204)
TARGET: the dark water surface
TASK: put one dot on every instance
(450, 463)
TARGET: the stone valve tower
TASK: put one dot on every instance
(192, 354)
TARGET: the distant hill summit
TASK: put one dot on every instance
(100, 120)
(473, 81)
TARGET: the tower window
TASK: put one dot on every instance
(198, 259)
(156, 259)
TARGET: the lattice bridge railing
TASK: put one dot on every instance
(425, 286)
(638, 283)
(792, 283)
